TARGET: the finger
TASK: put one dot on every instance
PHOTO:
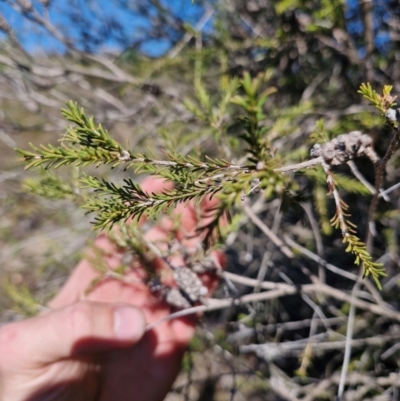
(151, 185)
(190, 217)
(156, 184)
(78, 329)
(169, 334)
(187, 219)
(84, 273)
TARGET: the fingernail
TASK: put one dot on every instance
(129, 323)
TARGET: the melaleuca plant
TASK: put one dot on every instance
(250, 164)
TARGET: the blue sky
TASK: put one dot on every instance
(96, 14)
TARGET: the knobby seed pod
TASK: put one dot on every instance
(174, 297)
(345, 147)
(189, 282)
(190, 288)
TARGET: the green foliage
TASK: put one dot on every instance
(382, 102)
(320, 134)
(315, 58)
(195, 178)
(252, 103)
(129, 200)
(354, 244)
(213, 112)
(343, 181)
(23, 299)
(83, 144)
(283, 119)
(52, 187)
(89, 143)
(359, 249)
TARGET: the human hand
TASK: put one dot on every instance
(97, 348)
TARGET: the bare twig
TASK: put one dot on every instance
(319, 260)
(366, 11)
(349, 338)
(360, 177)
(319, 344)
(318, 239)
(267, 231)
(379, 169)
(246, 332)
(189, 35)
(278, 290)
(387, 191)
(300, 166)
(268, 253)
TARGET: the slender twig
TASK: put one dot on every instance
(280, 290)
(308, 300)
(387, 191)
(267, 231)
(352, 379)
(318, 239)
(319, 260)
(245, 333)
(349, 338)
(379, 169)
(189, 35)
(300, 166)
(317, 341)
(363, 180)
(262, 271)
(344, 273)
(336, 197)
(354, 169)
(282, 385)
(366, 7)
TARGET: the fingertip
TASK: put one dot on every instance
(129, 323)
(156, 184)
(210, 202)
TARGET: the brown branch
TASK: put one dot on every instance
(380, 167)
(294, 348)
(306, 252)
(366, 12)
(278, 290)
(300, 166)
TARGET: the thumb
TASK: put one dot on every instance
(77, 329)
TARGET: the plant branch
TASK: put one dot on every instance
(267, 231)
(278, 290)
(380, 167)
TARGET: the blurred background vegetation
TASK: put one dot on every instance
(142, 68)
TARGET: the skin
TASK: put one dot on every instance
(95, 347)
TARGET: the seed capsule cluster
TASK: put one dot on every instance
(189, 288)
(345, 147)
